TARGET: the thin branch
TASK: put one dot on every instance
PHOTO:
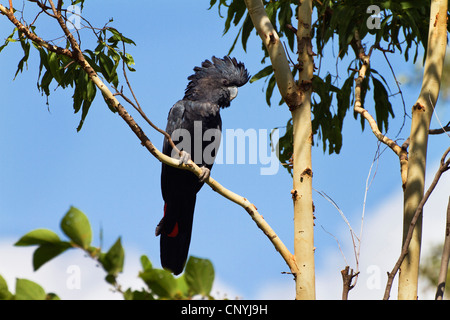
(33, 37)
(445, 129)
(339, 245)
(405, 114)
(356, 247)
(359, 108)
(44, 8)
(444, 166)
(445, 258)
(58, 6)
(138, 108)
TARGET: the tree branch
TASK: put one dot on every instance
(111, 100)
(283, 75)
(359, 108)
(33, 37)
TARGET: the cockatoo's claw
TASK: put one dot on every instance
(205, 174)
(184, 157)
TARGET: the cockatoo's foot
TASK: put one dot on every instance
(205, 174)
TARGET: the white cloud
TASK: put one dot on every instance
(72, 275)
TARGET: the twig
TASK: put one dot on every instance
(358, 108)
(33, 37)
(405, 114)
(138, 108)
(445, 258)
(347, 279)
(445, 129)
(339, 245)
(444, 166)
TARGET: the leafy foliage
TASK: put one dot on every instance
(197, 278)
(25, 290)
(403, 26)
(65, 72)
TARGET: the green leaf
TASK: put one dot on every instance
(285, 148)
(199, 275)
(129, 60)
(137, 295)
(262, 73)
(38, 237)
(83, 96)
(53, 64)
(26, 53)
(47, 252)
(79, 91)
(4, 292)
(146, 264)
(106, 65)
(236, 10)
(382, 105)
(117, 36)
(86, 106)
(182, 287)
(247, 28)
(52, 296)
(270, 87)
(76, 226)
(344, 96)
(8, 40)
(45, 83)
(160, 282)
(113, 260)
(29, 290)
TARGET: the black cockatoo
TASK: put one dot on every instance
(211, 87)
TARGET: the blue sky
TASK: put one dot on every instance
(46, 166)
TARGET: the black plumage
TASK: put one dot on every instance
(211, 87)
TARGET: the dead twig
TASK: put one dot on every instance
(347, 278)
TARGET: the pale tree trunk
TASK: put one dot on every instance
(298, 99)
(302, 167)
(421, 116)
